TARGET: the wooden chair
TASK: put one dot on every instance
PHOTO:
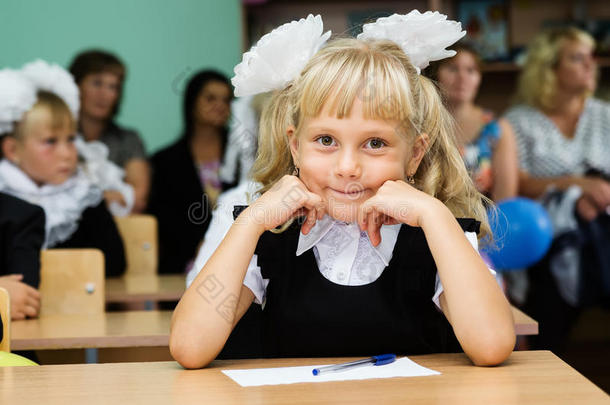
(6, 357)
(72, 281)
(139, 233)
(5, 314)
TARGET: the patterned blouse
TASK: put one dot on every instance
(478, 154)
(545, 152)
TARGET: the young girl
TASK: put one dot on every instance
(358, 146)
(40, 163)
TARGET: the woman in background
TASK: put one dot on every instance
(185, 180)
(100, 76)
(563, 138)
(487, 144)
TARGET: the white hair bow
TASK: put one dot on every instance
(19, 88)
(280, 56)
(423, 37)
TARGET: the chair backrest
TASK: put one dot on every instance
(72, 281)
(139, 233)
(5, 314)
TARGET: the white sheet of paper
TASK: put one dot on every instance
(402, 367)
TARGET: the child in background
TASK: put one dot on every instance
(357, 146)
(40, 161)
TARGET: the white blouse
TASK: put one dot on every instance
(344, 254)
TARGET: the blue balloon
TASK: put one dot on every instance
(522, 233)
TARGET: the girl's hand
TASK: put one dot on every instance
(287, 199)
(25, 300)
(114, 196)
(395, 202)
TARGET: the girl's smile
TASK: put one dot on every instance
(346, 160)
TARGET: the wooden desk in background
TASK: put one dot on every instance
(126, 329)
(171, 287)
(110, 329)
(536, 377)
(142, 288)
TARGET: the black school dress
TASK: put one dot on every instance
(306, 315)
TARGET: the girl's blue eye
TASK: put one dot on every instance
(325, 140)
(376, 143)
(50, 141)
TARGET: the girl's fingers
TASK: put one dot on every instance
(310, 221)
(30, 311)
(34, 303)
(363, 213)
(373, 226)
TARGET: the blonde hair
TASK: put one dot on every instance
(537, 85)
(381, 75)
(60, 114)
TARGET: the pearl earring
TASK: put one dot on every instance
(295, 172)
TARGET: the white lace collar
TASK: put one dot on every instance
(389, 234)
(63, 204)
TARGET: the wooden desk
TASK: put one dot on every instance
(524, 324)
(126, 329)
(165, 287)
(111, 329)
(526, 378)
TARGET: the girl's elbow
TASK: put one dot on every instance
(494, 350)
(186, 354)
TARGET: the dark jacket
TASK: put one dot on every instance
(22, 233)
(97, 229)
(178, 201)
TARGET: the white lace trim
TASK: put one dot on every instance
(105, 174)
(63, 204)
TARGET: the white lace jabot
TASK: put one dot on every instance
(345, 254)
(63, 204)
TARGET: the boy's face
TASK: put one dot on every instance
(46, 154)
(345, 161)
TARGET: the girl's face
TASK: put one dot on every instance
(459, 78)
(46, 154)
(99, 93)
(576, 68)
(213, 105)
(346, 160)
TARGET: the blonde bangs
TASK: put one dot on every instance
(354, 69)
(381, 76)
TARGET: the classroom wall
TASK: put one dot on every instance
(161, 41)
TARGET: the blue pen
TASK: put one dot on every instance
(374, 361)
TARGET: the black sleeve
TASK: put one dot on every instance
(22, 233)
(182, 211)
(25, 247)
(97, 229)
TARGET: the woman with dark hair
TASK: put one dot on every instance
(185, 179)
(487, 144)
(100, 76)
